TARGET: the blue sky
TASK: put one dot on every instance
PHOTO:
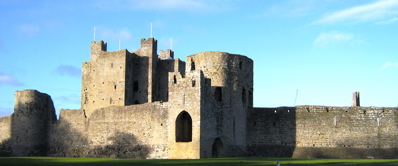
(324, 49)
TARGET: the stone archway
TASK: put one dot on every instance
(217, 148)
(183, 127)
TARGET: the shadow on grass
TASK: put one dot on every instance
(36, 161)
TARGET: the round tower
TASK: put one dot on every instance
(31, 121)
(232, 88)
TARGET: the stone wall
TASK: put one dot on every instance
(324, 132)
(138, 131)
(271, 131)
(5, 135)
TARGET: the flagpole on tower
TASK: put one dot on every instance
(151, 30)
(171, 43)
(94, 33)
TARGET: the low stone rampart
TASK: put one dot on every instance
(325, 132)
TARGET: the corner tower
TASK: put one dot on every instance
(105, 78)
(231, 97)
(33, 116)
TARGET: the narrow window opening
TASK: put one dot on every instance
(218, 94)
(243, 95)
(184, 127)
(175, 79)
(193, 83)
(115, 87)
(250, 98)
(135, 86)
(240, 65)
(192, 65)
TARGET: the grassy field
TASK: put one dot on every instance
(59, 161)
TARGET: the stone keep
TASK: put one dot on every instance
(144, 105)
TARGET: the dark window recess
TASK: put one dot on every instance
(193, 83)
(243, 95)
(135, 86)
(218, 94)
(175, 79)
(192, 65)
(184, 127)
(250, 98)
(240, 65)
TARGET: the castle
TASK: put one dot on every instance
(147, 105)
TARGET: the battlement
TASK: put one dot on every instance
(168, 54)
(100, 45)
(148, 43)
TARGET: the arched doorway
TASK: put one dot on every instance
(217, 149)
(184, 127)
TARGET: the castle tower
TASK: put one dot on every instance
(355, 99)
(145, 72)
(231, 78)
(104, 80)
(31, 122)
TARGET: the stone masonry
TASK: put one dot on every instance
(143, 104)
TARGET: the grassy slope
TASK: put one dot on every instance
(207, 162)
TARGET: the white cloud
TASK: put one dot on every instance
(389, 64)
(333, 37)
(170, 4)
(29, 29)
(6, 79)
(379, 10)
(183, 5)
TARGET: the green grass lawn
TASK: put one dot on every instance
(207, 162)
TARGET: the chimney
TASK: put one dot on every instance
(355, 99)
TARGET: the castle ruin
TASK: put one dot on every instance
(147, 105)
